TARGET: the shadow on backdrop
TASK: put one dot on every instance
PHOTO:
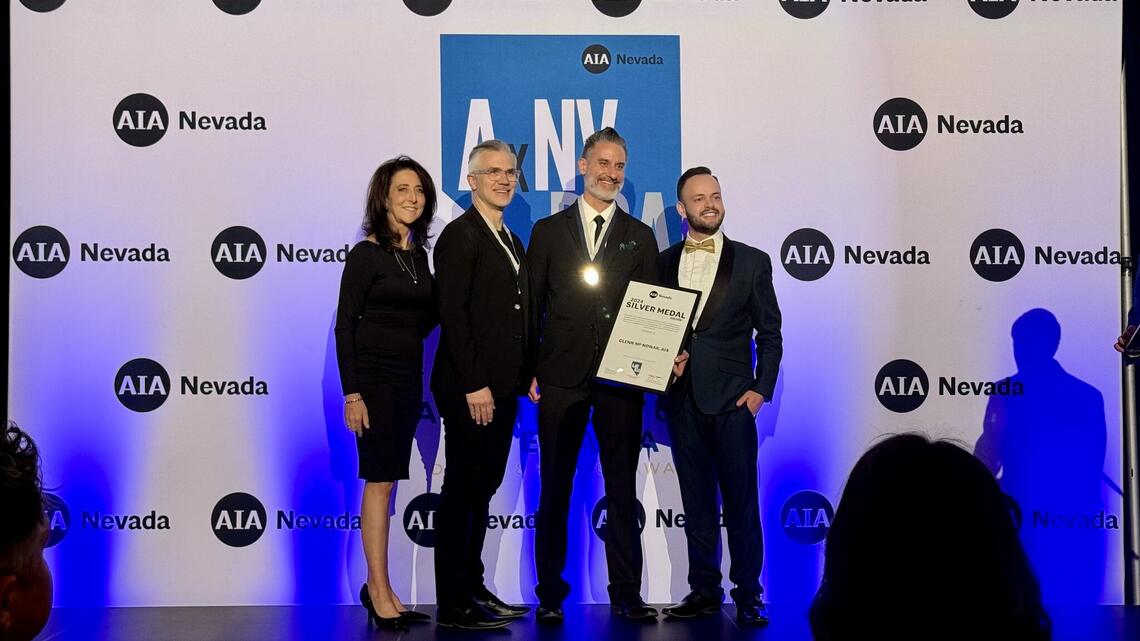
(1045, 443)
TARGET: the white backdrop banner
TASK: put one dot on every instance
(937, 181)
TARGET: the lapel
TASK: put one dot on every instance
(673, 263)
(720, 285)
(489, 236)
(573, 223)
(611, 241)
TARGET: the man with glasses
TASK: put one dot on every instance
(483, 363)
(581, 260)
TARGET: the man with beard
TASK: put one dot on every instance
(581, 260)
(712, 407)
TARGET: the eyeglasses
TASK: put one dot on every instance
(498, 173)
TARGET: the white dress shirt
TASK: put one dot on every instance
(588, 216)
(697, 270)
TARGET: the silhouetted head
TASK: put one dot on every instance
(1036, 336)
(923, 546)
(25, 581)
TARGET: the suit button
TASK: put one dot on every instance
(517, 306)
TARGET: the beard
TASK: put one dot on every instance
(603, 191)
(701, 227)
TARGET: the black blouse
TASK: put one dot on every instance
(383, 316)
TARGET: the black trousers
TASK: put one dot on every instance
(562, 417)
(476, 458)
(712, 451)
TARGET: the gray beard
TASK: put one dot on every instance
(598, 192)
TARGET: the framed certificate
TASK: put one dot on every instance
(648, 334)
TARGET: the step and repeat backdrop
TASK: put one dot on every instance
(936, 181)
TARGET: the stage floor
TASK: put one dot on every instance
(591, 622)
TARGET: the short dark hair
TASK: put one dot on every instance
(21, 498)
(376, 214)
(695, 171)
(606, 134)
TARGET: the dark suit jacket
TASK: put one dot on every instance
(741, 301)
(486, 315)
(575, 318)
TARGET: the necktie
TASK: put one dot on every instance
(706, 245)
(599, 220)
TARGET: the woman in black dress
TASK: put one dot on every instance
(386, 309)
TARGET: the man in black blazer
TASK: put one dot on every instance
(483, 363)
(712, 407)
(581, 261)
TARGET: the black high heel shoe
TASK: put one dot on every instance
(407, 615)
(412, 616)
(394, 623)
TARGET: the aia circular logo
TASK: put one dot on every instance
(804, 9)
(901, 385)
(238, 252)
(993, 9)
(237, 7)
(807, 516)
(997, 255)
(57, 517)
(419, 519)
(900, 124)
(596, 59)
(238, 519)
(140, 120)
(427, 8)
(42, 6)
(142, 385)
(653, 294)
(41, 251)
(599, 517)
(807, 254)
(617, 8)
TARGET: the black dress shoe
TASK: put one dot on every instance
(497, 607)
(694, 605)
(753, 613)
(472, 618)
(548, 616)
(634, 609)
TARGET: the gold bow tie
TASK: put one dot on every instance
(705, 245)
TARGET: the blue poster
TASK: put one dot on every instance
(544, 95)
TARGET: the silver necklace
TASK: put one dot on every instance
(411, 271)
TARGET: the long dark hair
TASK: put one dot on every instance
(376, 214)
(924, 546)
